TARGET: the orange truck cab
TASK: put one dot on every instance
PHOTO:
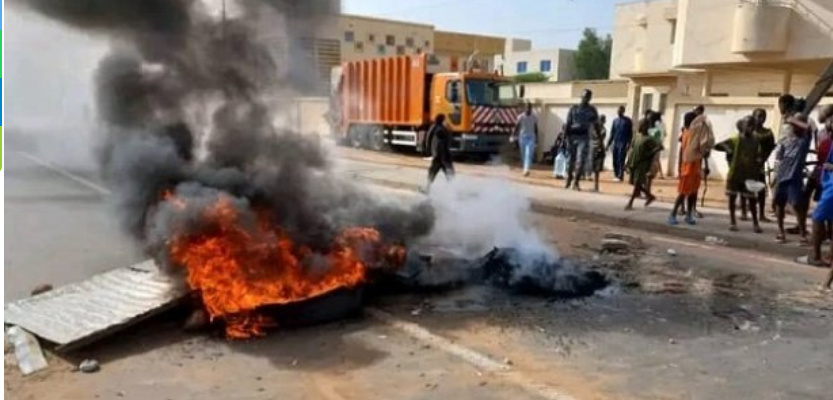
(392, 101)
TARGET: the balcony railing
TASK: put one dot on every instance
(761, 26)
(800, 7)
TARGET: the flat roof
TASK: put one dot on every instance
(634, 2)
(390, 21)
(472, 34)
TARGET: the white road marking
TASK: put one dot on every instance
(707, 247)
(78, 179)
(480, 361)
(417, 332)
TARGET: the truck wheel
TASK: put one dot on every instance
(376, 139)
(356, 137)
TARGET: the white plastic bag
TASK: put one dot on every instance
(559, 169)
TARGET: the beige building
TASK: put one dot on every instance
(557, 64)
(355, 37)
(730, 55)
(365, 37)
(455, 48)
(553, 100)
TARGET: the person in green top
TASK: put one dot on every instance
(641, 161)
(745, 150)
(656, 131)
(766, 139)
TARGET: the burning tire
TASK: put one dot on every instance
(330, 307)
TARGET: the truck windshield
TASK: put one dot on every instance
(489, 93)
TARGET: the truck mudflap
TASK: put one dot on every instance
(478, 143)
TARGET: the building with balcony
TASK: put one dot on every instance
(731, 55)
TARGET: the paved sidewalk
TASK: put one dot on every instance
(597, 207)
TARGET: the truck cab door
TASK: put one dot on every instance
(447, 98)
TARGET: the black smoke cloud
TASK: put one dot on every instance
(188, 103)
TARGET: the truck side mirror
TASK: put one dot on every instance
(522, 91)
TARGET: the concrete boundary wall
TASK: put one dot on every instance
(309, 117)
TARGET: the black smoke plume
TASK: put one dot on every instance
(191, 101)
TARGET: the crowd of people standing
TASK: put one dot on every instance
(580, 150)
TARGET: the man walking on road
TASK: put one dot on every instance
(526, 131)
(645, 147)
(441, 151)
(582, 119)
(621, 136)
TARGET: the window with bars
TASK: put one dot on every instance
(400, 50)
(359, 47)
(409, 42)
(349, 36)
(381, 49)
(390, 40)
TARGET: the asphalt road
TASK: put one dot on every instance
(707, 323)
(58, 230)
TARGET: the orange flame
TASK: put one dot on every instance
(237, 269)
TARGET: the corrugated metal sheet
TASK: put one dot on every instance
(77, 314)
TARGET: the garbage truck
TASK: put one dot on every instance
(390, 102)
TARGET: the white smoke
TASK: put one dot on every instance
(488, 220)
(475, 215)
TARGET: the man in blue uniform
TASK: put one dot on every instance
(621, 136)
